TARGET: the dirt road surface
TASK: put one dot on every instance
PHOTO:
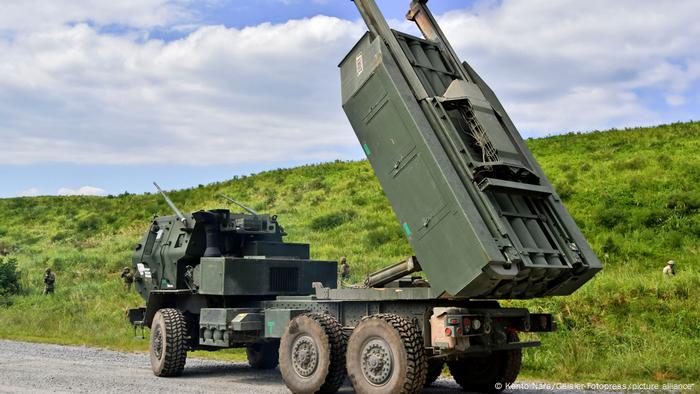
(41, 368)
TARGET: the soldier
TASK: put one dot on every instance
(668, 269)
(127, 278)
(344, 269)
(189, 277)
(49, 281)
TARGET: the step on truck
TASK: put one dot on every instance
(482, 219)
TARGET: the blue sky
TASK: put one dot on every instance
(105, 97)
(246, 13)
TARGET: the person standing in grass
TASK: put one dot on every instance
(344, 269)
(127, 278)
(49, 282)
(669, 269)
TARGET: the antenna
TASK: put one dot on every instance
(250, 210)
(172, 205)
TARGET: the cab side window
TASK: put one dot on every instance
(148, 249)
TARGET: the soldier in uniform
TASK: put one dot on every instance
(189, 277)
(344, 269)
(668, 269)
(127, 278)
(49, 281)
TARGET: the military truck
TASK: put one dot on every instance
(483, 221)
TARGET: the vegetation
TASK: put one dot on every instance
(633, 192)
(9, 280)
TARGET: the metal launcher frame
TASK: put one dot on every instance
(478, 211)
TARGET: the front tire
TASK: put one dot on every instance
(263, 355)
(312, 354)
(386, 355)
(488, 374)
(168, 352)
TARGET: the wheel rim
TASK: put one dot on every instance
(304, 356)
(377, 361)
(157, 346)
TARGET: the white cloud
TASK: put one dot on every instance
(675, 100)
(563, 65)
(83, 191)
(31, 192)
(220, 95)
(69, 93)
(33, 15)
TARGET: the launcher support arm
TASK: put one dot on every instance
(380, 28)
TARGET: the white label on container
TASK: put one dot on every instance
(143, 270)
(359, 64)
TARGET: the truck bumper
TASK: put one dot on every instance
(136, 316)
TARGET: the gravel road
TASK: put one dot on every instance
(38, 368)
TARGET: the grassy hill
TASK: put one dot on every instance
(635, 193)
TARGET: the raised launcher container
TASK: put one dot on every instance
(479, 213)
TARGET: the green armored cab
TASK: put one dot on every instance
(480, 215)
(199, 272)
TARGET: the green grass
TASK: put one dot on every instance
(634, 193)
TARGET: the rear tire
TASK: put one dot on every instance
(435, 366)
(312, 354)
(168, 352)
(386, 355)
(488, 374)
(263, 355)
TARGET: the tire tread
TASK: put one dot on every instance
(337, 342)
(176, 342)
(417, 368)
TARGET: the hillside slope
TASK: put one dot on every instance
(634, 193)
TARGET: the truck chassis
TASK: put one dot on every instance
(388, 340)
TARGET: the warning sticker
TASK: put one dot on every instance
(359, 64)
(143, 270)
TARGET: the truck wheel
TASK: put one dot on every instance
(263, 355)
(168, 343)
(488, 374)
(386, 355)
(434, 370)
(312, 354)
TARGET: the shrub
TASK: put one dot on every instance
(9, 279)
(378, 237)
(685, 202)
(636, 163)
(609, 217)
(59, 236)
(332, 220)
(359, 200)
(654, 217)
(564, 189)
(6, 248)
(675, 241)
(88, 222)
(610, 246)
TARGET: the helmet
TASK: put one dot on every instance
(127, 269)
(48, 270)
(343, 259)
(671, 262)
